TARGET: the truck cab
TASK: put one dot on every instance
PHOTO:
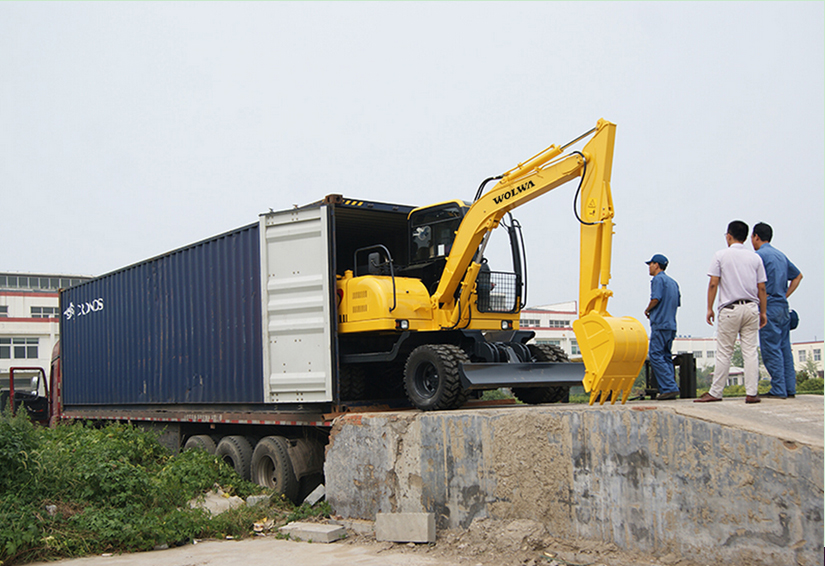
(27, 388)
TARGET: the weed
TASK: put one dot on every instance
(322, 509)
(77, 489)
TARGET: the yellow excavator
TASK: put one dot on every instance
(429, 313)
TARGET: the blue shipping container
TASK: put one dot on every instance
(181, 328)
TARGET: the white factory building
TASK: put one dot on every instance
(29, 318)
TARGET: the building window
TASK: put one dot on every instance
(18, 348)
(4, 312)
(817, 354)
(802, 355)
(711, 354)
(45, 312)
(697, 354)
(39, 283)
(558, 324)
(550, 342)
(574, 348)
(530, 322)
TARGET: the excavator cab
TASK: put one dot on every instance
(433, 229)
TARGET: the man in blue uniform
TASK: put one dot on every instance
(664, 300)
(774, 337)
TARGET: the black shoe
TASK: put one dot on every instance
(668, 396)
(776, 396)
(791, 396)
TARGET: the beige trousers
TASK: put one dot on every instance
(742, 321)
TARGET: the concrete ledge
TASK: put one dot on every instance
(314, 532)
(405, 527)
(358, 526)
(661, 478)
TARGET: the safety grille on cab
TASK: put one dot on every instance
(497, 292)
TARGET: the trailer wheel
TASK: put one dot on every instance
(202, 441)
(432, 378)
(237, 452)
(272, 468)
(538, 395)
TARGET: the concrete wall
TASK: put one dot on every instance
(645, 478)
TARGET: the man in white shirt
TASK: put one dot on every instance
(738, 275)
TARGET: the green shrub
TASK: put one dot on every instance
(77, 489)
(19, 441)
(496, 395)
(814, 385)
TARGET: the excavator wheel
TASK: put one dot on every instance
(353, 382)
(538, 395)
(432, 378)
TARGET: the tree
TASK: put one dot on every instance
(704, 377)
(738, 360)
(809, 371)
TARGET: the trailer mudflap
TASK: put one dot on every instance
(534, 374)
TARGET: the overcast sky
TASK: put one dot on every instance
(130, 129)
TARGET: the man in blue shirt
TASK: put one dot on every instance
(774, 337)
(664, 300)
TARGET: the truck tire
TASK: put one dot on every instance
(237, 452)
(272, 468)
(539, 395)
(202, 441)
(432, 379)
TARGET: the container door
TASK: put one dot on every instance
(296, 275)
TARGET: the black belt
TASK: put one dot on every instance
(741, 302)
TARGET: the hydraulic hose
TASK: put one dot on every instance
(578, 190)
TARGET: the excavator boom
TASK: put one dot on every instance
(613, 349)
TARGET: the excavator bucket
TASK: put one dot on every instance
(614, 351)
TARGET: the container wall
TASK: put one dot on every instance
(184, 327)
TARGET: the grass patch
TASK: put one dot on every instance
(77, 489)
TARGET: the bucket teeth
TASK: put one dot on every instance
(614, 351)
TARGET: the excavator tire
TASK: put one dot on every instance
(432, 378)
(539, 395)
(353, 382)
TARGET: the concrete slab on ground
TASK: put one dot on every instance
(405, 527)
(217, 502)
(314, 532)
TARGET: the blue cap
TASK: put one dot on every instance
(658, 258)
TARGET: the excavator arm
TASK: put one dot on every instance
(613, 349)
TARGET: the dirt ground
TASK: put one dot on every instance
(485, 543)
(515, 543)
